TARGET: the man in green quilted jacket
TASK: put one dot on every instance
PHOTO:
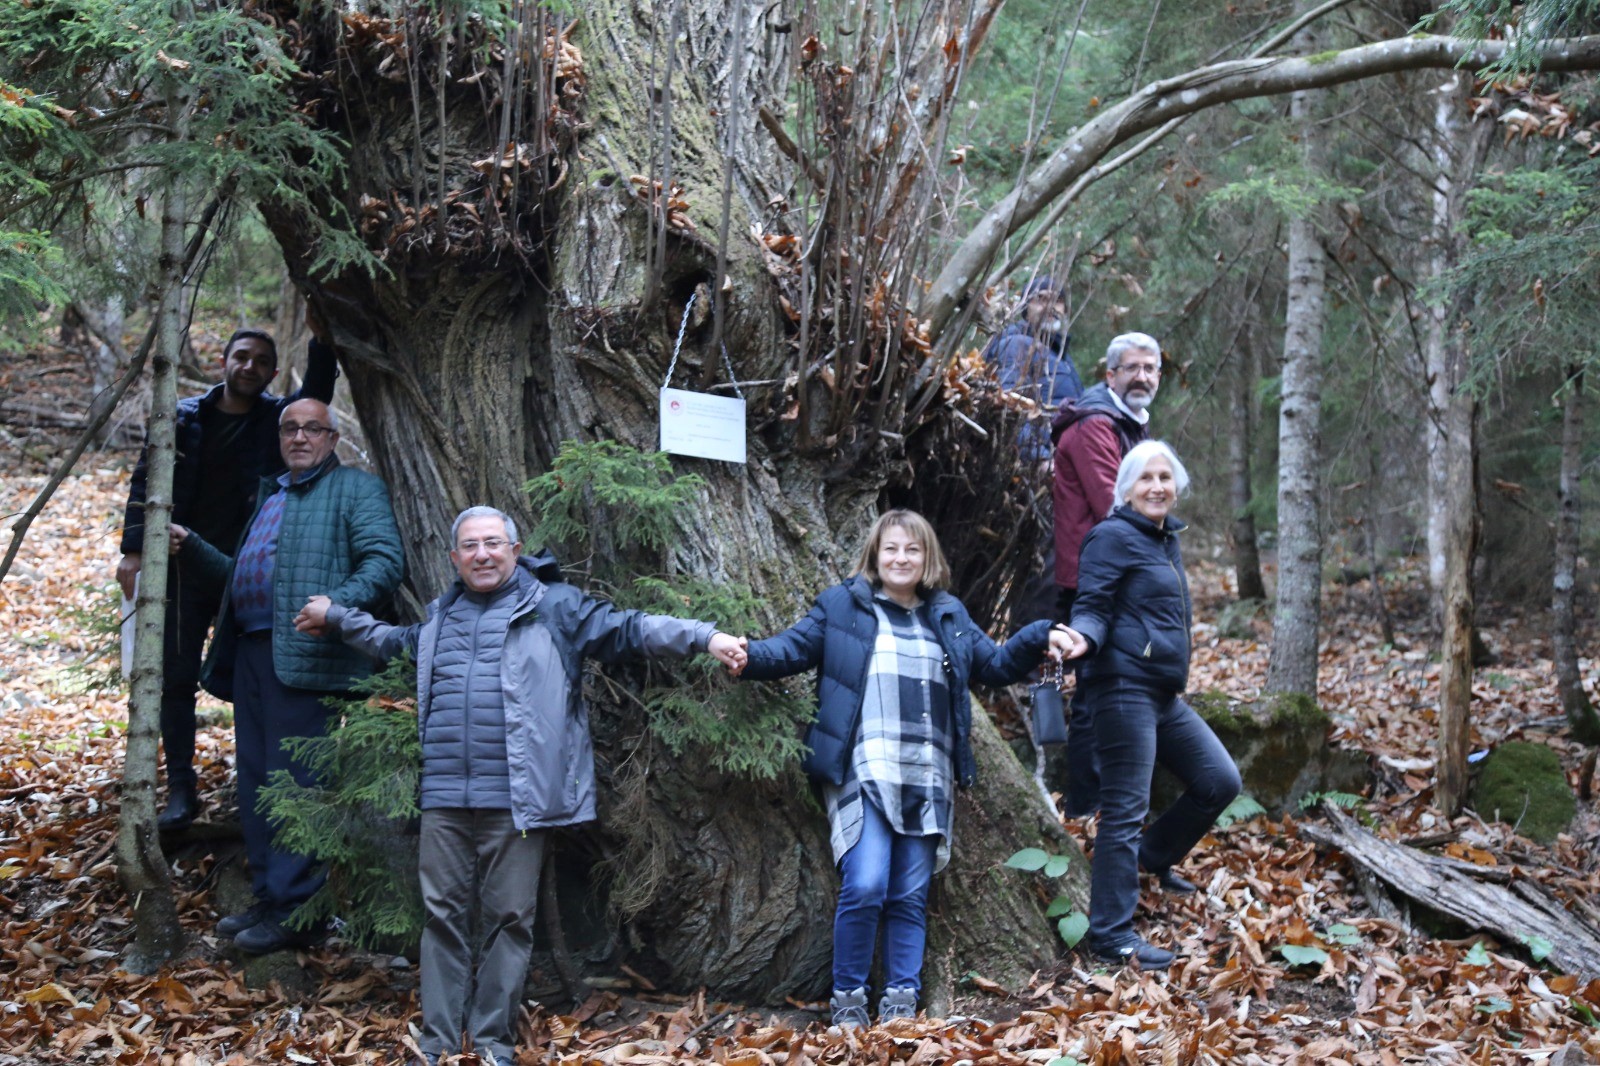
(318, 529)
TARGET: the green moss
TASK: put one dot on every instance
(1323, 57)
(1523, 784)
(1295, 709)
(1221, 711)
(1225, 714)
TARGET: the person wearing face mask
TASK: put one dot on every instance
(506, 755)
(894, 653)
(1032, 357)
(1130, 629)
(1092, 434)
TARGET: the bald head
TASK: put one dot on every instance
(307, 434)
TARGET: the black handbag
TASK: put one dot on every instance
(1047, 713)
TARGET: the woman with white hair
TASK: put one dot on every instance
(1130, 624)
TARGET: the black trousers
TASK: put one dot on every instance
(191, 608)
(1135, 727)
(266, 712)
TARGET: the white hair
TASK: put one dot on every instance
(482, 511)
(1129, 342)
(1137, 459)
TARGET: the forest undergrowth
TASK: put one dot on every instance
(1380, 993)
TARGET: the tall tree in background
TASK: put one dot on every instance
(1298, 615)
(1459, 149)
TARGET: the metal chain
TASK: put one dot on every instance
(683, 327)
(732, 378)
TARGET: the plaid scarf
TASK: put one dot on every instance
(902, 760)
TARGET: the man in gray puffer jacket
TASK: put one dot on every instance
(506, 754)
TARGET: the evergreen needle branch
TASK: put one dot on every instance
(118, 390)
(77, 179)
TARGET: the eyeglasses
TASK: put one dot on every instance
(1140, 370)
(494, 546)
(289, 430)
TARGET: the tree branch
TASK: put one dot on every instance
(1219, 83)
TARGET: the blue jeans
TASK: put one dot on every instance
(1135, 727)
(885, 878)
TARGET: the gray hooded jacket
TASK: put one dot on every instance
(554, 626)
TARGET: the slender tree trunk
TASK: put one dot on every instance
(1460, 545)
(1241, 413)
(141, 866)
(1581, 717)
(1452, 445)
(1293, 664)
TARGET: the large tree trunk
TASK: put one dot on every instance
(1293, 665)
(1581, 717)
(141, 866)
(486, 348)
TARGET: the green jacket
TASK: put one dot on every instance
(338, 539)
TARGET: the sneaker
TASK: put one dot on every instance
(1139, 950)
(897, 1003)
(849, 1009)
(234, 924)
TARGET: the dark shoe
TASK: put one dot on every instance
(268, 936)
(234, 924)
(182, 806)
(849, 1009)
(897, 1003)
(1146, 954)
(1174, 885)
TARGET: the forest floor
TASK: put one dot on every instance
(1384, 992)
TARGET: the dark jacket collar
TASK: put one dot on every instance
(1060, 343)
(213, 396)
(1144, 525)
(938, 601)
(316, 473)
(1096, 400)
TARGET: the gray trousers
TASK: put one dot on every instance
(480, 885)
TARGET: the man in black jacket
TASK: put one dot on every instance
(227, 440)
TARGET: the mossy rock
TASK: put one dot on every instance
(1280, 743)
(1523, 784)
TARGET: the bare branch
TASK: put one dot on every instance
(1161, 102)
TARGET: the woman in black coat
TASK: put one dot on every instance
(1130, 623)
(894, 653)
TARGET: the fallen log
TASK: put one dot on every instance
(1494, 899)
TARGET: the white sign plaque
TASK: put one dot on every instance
(702, 425)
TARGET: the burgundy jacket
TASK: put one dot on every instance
(1091, 436)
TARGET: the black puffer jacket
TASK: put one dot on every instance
(836, 639)
(1133, 603)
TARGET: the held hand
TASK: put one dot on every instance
(176, 535)
(313, 617)
(1067, 643)
(314, 323)
(127, 569)
(729, 651)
